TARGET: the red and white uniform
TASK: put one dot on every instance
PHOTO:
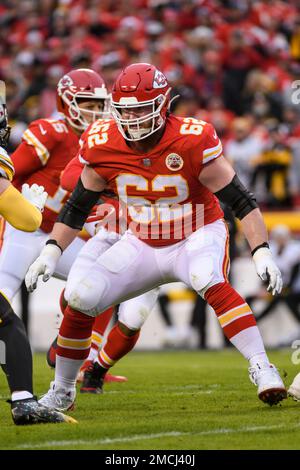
(47, 146)
(161, 189)
(139, 307)
(135, 264)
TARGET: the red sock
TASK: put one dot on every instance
(233, 313)
(74, 338)
(100, 324)
(117, 346)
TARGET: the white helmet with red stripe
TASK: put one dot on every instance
(79, 86)
(140, 101)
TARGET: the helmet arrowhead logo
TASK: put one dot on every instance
(65, 82)
(159, 80)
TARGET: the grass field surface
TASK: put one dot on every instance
(172, 400)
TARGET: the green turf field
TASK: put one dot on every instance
(173, 400)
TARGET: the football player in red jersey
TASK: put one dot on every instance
(170, 173)
(47, 146)
(23, 212)
(109, 229)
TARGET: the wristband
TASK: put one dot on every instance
(54, 242)
(262, 245)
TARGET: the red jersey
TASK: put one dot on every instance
(47, 146)
(165, 200)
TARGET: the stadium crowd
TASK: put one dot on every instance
(233, 62)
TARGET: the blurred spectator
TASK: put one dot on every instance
(210, 79)
(259, 96)
(47, 102)
(272, 167)
(238, 60)
(295, 40)
(243, 148)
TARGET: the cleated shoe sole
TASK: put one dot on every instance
(273, 396)
(29, 411)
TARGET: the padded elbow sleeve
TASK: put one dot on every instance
(239, 199)
(79, 205)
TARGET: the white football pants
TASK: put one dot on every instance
(130, 267)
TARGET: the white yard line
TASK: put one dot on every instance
(173, 391)
(178, 390)
(144, 437)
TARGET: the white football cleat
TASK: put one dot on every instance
(58, 398)
(294, 390)
(271, 389)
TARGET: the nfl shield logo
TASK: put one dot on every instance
(146, 162)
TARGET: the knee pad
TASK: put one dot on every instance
(134, 312)
(134, 320)
(86, 296)
(201, 273)
(6, 312)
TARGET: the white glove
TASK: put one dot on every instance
(35, 194)
(267, 269)
(44, 265)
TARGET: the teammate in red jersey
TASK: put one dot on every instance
(170, 173)
(47, 146)
(23, 212)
